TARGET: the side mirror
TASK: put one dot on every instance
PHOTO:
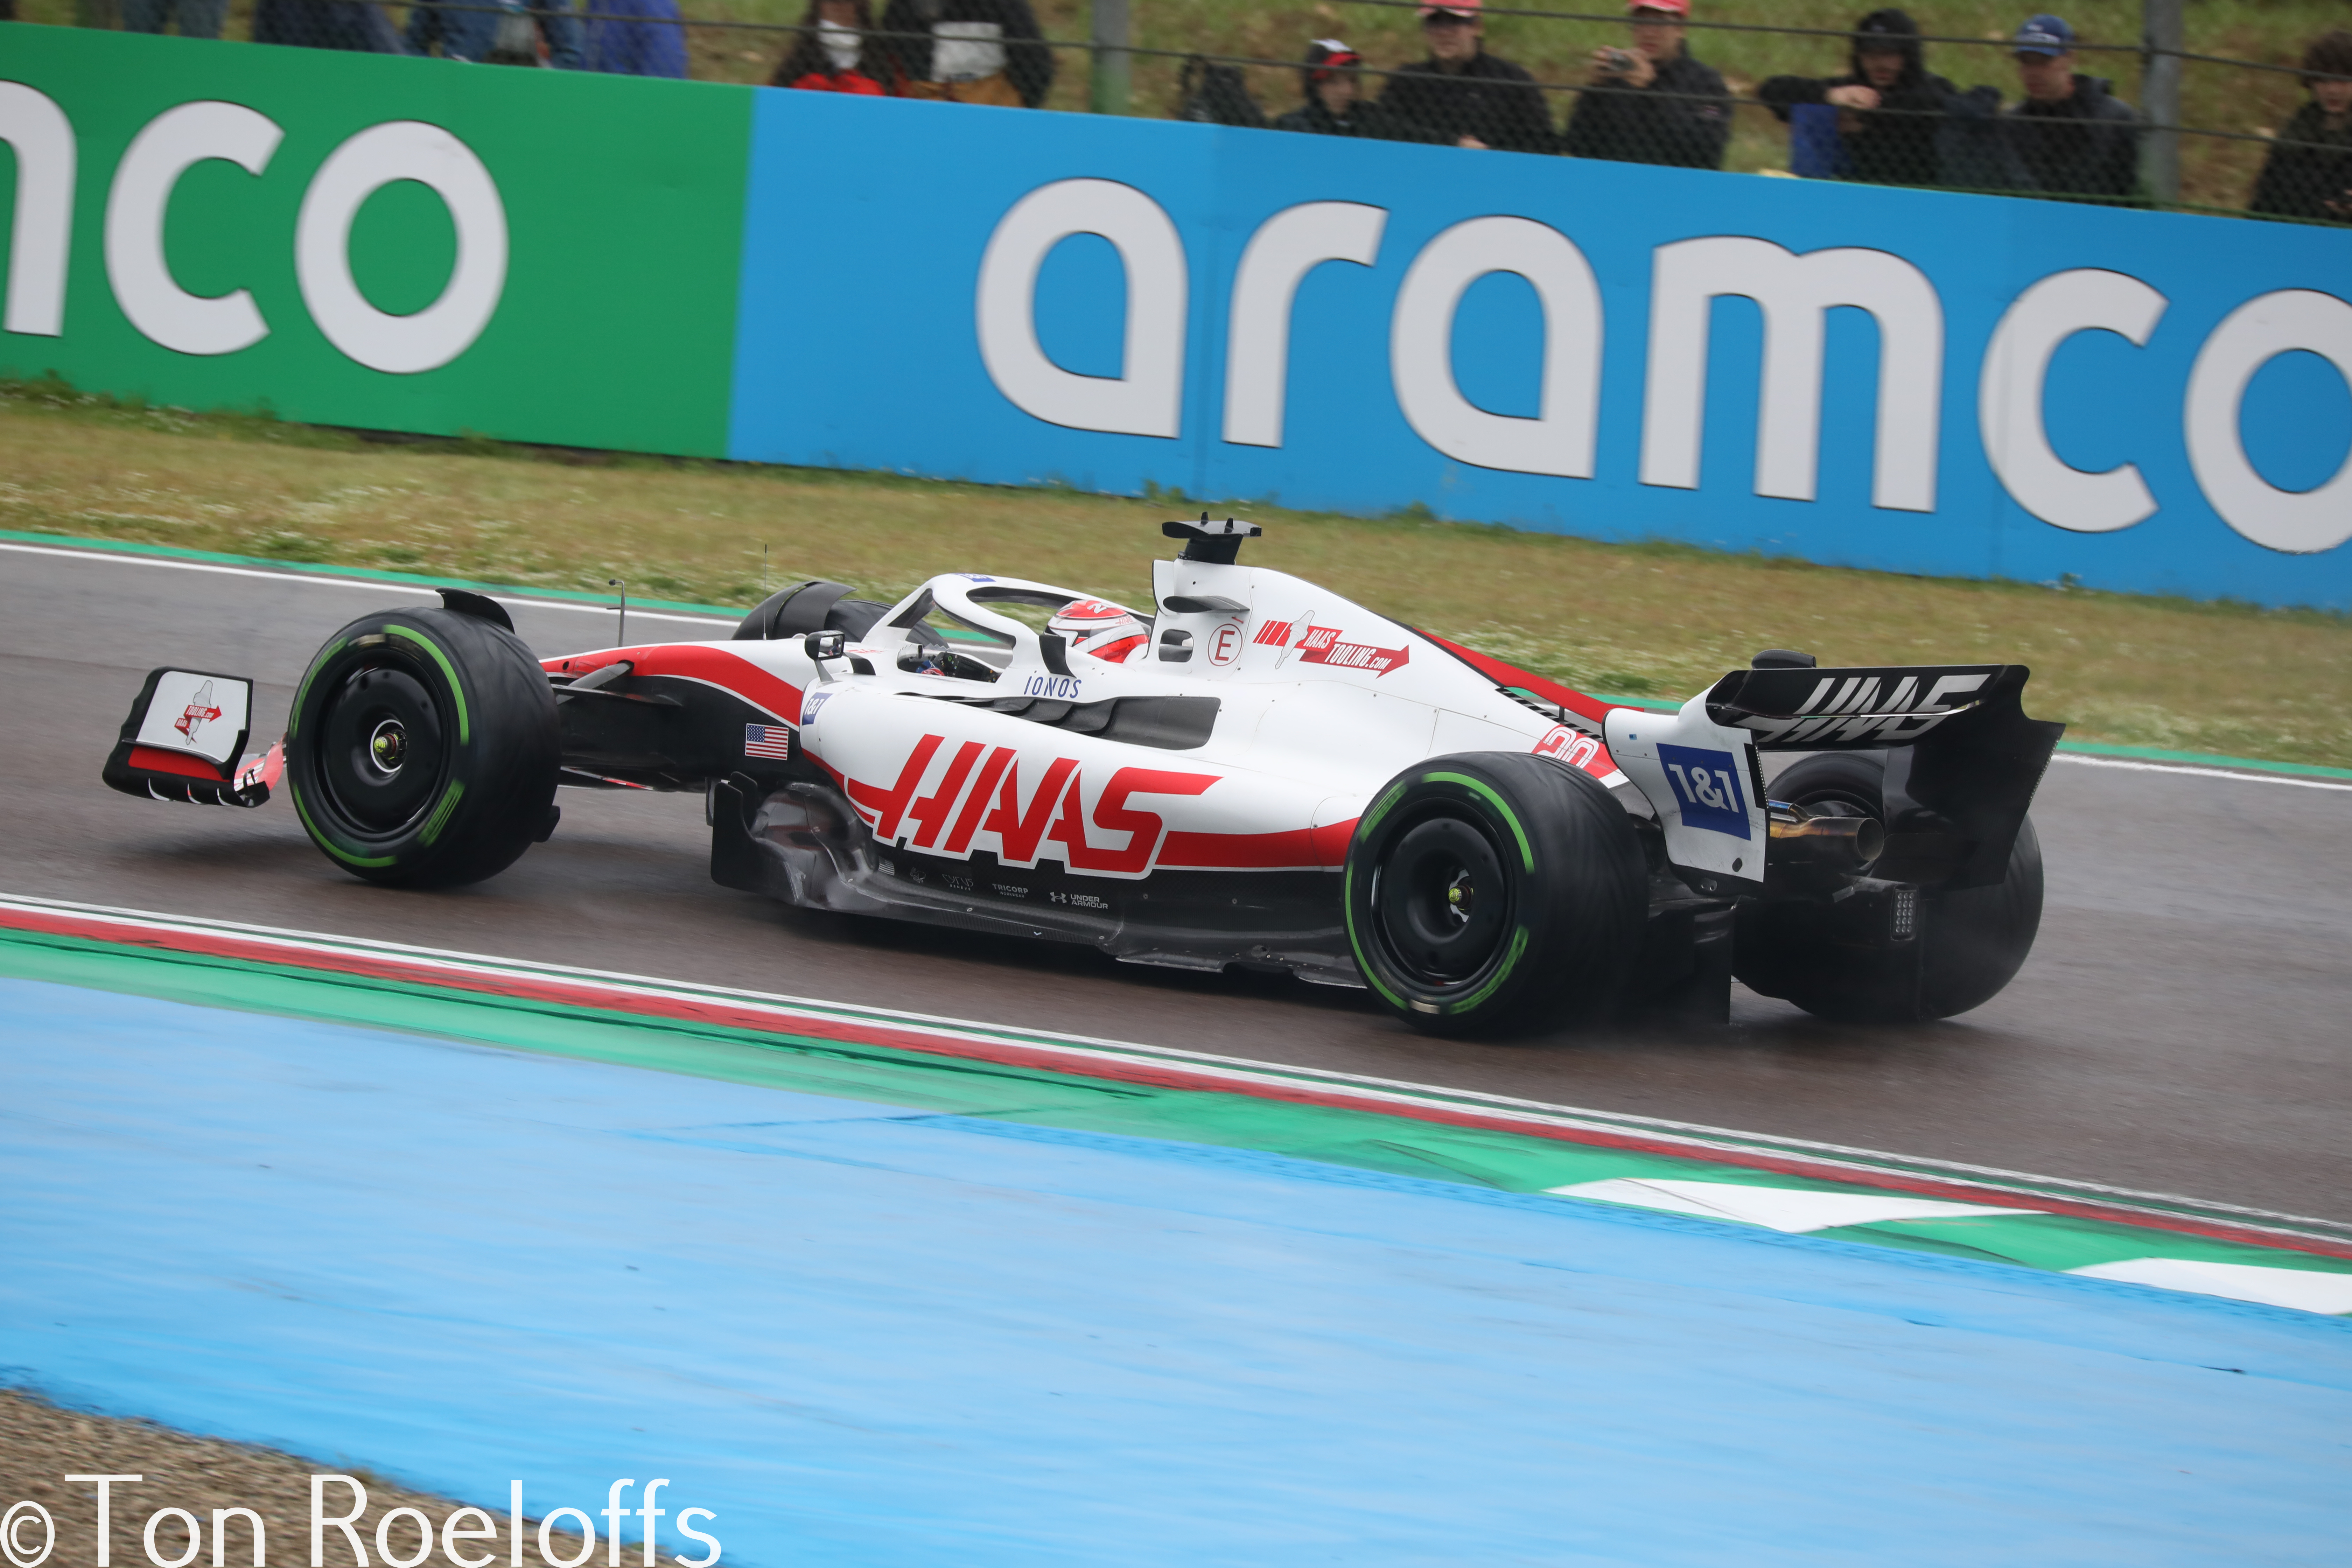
(821, 645)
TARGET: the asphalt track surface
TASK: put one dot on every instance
(2180, 1026)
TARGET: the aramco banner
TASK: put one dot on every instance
(1896, 379)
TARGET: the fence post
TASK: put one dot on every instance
(1108, 87)
(2159, 158)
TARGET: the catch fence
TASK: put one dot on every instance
(2158, 111)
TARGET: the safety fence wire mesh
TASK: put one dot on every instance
(1887, 99)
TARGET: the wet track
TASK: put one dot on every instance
(2182, 1024)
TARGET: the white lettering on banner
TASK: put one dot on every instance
(1146, 399)
(2249, 338)
(169, 145)
(1560, 439)
(1795, 293)
(1284, 249)
(40, 232)
(2010, 403)
(430, 338)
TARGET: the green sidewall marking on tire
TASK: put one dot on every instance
(1527, 850)
(294, 791)
(465, 729)
(1363, 965)
(294, 718)
(1381, 808)
(440, 817)
(1510, 962)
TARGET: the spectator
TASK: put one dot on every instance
(354, 25)
(637, 37)
(1461, 95)
(1655, 104)
(508, 37)
(834, 54)
(969, 52)
(2072, 135)
(1335, 103)
(1889, 108)
(198, 18)
(2314, 180)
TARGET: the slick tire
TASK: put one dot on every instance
(423, 749)
(1970, 942)
(1494, 893)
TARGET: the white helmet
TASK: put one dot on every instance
(1099, 628)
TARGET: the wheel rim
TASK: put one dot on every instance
(1442, 903)
(381, 755)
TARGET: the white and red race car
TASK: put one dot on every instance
(1255, 772)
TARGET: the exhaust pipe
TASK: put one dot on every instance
(1831, 843)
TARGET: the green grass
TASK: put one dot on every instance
(2215, 172)
(1652, 619)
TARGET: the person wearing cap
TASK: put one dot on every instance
(1655, 104)
(2072, 134)
(1461, 95)
(1888, 107)
(2309, 170)
(1331, 81)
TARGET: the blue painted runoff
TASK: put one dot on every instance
(871, 1336)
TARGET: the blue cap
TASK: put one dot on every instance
(2046, 34)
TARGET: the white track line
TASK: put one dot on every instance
(2192, 768)
(1698, 1136)
(372, 584)
(368, 584)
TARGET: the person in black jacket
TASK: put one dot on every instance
(1463, 96)
(1892, 108)
(2309, 171)
(2072, 134)
(1652, 103)
(1335, 105)
(970, 51)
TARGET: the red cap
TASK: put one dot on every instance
(1671, 7)
(1452, 8)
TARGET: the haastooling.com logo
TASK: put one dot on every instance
(404, 1537)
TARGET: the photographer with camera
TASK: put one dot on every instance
(1652, 103)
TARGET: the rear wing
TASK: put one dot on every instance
(1963, 761)
(185, 740)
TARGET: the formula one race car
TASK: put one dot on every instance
(1253, 773)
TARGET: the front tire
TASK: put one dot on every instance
(1970, 942)
(1494, 892)
(423, 749)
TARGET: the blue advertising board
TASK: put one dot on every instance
(1905, 379)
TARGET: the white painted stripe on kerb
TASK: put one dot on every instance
(2304, 1289)
(2199, 771)
(1792, 1211)
(369, 585)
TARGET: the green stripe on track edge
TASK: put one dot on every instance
(1342, 1136)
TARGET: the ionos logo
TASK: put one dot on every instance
(140, 273)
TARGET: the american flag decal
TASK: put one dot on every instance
(768, 740)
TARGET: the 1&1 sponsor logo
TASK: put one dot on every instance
(1706, 786)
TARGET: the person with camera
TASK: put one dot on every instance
(1888, 108)
(1463, 96)
(1656, 103)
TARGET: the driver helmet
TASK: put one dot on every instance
(1098, 627)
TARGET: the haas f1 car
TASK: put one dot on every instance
(1255, 772)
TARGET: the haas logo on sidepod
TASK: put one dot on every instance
(197, 714)
(980, 794)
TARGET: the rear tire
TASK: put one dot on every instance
(423, 749)
(1493, 892)
(1970, 941)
